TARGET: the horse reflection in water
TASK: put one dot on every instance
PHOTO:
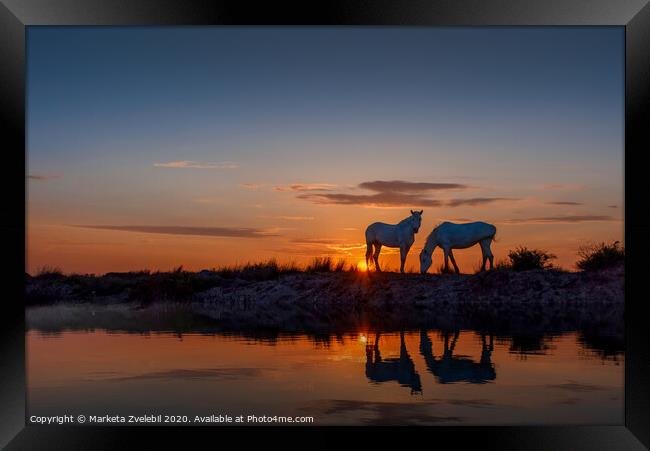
(449, 368)
(400, 369)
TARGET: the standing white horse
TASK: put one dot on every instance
(458, 236)
(400, 235)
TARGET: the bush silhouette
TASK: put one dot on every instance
(600, 256)
(524, 259)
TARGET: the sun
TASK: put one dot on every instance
(362, 266)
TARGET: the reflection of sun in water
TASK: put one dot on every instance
(361, 266)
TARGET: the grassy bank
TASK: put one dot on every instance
(288, 299)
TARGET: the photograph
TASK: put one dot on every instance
(325, 225)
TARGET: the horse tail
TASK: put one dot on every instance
(494, 235)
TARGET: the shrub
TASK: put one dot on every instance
(524, 259)
(600, 256)
(49, 272)
(176, 285)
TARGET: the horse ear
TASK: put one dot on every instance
(421, 211)
(412, 212)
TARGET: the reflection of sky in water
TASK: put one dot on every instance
(411, 378)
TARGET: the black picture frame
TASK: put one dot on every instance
(634, 15)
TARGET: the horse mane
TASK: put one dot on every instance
(405, 220)
(433, 232)
(431, 237)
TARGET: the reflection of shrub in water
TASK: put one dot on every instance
(532, 344)
(606, 346)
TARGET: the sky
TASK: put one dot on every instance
(209, 146)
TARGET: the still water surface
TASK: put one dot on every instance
(414, 377)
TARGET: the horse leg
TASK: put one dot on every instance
(403, 252)
(487, 252)
(453, 261)
(453, 342)
(376, 256)
(446, 259)
(368, 252)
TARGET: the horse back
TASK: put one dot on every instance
(464, 235)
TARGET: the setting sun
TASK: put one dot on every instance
(361, 266)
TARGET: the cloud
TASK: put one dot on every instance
(396, 193)
(393, 199)
(316, 240)
(612, 206)
(295, 218)
(252, 186)
(41, 177)
(372, 200)
(183, 164)
(564, 203)
(558, 219)
(563, 187)
(235, 232)
(477, 201)
(305, 187)
(400, 186)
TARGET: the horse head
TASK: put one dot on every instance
(416, 220)
(425, 260)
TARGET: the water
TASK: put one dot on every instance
(338, 379)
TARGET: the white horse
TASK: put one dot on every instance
(400, 235)
(458, 236)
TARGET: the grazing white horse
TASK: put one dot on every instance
(458, 236)
(400, 235)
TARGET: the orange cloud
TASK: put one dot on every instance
(305, 187)
(235, 232)
(559, 219)
(564, 203)
(563, 187)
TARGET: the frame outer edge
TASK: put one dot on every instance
(12, 226)
(637, 234)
